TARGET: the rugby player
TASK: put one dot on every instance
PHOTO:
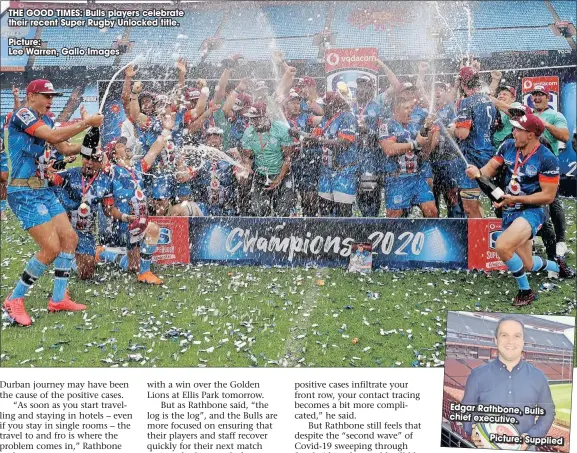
(36, 206)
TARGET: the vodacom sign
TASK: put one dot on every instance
(552, 82)
(361, 58)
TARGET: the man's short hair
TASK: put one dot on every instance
(508, 318)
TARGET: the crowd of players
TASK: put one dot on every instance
(256, 151)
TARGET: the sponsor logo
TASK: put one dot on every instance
(333, 59)
(165, 236)
(493, 235)
(26, 116)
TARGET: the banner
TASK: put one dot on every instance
(551, 81)
(346, 65)
(173, 242)
(483, 235)
(327, 242)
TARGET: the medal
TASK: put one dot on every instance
(83, 210)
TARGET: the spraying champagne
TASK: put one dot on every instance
(489, 188)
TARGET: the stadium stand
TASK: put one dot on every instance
(293, 20)
(438, 29)
(565, 10)
(493, 14)
(7, 101)
(385, 26)
(299, 48)
(484, 328)
(184, 41)
(474, 363)
(90, 101)
(507, 40)
(59, 37)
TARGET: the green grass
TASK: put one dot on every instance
(210, 315)
(561, 394)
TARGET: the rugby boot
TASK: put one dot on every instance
(564, 270)
(15, 310)
(65, 304)
(98, 251)
(524, 297)
(150, 278)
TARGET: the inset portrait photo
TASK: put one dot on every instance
(508, 381)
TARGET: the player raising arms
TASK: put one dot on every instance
(36, 206)
(532, 178)
(473, 129)
(132, 228)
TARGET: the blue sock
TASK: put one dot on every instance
(123, 263)
(2, 205)
(544, 265)
(62, 265)
(106, 256)
(146, 252)
(34, 269)
(515, 265)
(74, 266)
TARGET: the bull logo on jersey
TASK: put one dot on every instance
(531, 170)
(26, 116)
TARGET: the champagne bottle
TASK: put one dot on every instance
(488, 187)
(90, 142)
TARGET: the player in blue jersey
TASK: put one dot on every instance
(405, 184)
(446, 163)
(338, 177)
(36, 206)
(311, 102)
(306, 159)
(474, 127)
(371, 158)
(146, 110)
(532, 179)
(213, 184)
(132, 229)
(83, 190)
(4, 170)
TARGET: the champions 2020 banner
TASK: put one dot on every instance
(327, 242)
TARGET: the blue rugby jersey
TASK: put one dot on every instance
(370, 153)
(542, 166)
(98, 190)
(25, 149)
(341, 126)
(405, 164)
(478, 114)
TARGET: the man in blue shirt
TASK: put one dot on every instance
(83, 190)
(369, 113)
(474, 127)
(509, 381)
(531, 179)
(405, 184)
(34, 204)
